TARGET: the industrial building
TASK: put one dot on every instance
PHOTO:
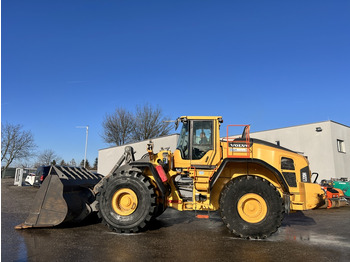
(326, 144)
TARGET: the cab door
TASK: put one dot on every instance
(196, 145)
(202, 146)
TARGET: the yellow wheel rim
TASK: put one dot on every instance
(252, 208)
(124, 202)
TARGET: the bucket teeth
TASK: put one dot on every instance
(22, 226)
(75, 173)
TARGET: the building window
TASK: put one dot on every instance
(341, 146)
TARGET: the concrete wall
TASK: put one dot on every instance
(108, 157)
(341, 160)
(319, 146)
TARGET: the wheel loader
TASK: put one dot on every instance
(251, 182)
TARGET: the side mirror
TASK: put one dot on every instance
(177, 121)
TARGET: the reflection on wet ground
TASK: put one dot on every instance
(317, 235)
(298, 227)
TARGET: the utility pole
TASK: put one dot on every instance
(86, 142)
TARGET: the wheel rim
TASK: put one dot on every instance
(252, 208)
(124, 202)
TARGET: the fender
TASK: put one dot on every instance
(158, 180)
(277, 174)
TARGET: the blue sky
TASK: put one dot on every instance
(270, 64)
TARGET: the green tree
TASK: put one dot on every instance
(95, 164)
(87, 165)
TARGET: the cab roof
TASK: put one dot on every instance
(201, 117)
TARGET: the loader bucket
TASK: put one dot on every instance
(64, 196)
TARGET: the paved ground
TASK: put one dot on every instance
(317, 235)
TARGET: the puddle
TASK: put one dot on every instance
(309, 237)
(22, 253)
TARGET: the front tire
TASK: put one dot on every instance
(251, 207)
(126, 201)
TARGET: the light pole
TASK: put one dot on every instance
(86, 142)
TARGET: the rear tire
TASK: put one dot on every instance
(126, 201)
(251, 207)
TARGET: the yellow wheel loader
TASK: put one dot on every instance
(251, 182)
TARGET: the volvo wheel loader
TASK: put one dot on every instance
(251, 182)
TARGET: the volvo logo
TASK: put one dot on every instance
(238, 145)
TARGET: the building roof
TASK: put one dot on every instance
(329, 121)
(175, 134)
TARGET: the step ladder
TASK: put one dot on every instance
(201, 214)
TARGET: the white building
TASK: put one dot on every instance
(326, 144)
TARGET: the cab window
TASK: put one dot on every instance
(202, 138)
(287, 163)
(183, 143)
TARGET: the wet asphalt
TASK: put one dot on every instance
(315, 235)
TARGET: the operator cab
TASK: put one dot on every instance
(197, 143)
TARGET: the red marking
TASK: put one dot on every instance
(161, 173)
(175, 201)
(202, 216)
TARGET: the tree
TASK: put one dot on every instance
(16, 144)
(95, 164)
(87, 165)
(118, 127)
(122, 127)
(72, 162)
(24, 165)
(149, 123)
(62, 163)
(48, 157)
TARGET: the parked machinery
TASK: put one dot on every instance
(344, 185)
(251, 182)
(335, 196)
